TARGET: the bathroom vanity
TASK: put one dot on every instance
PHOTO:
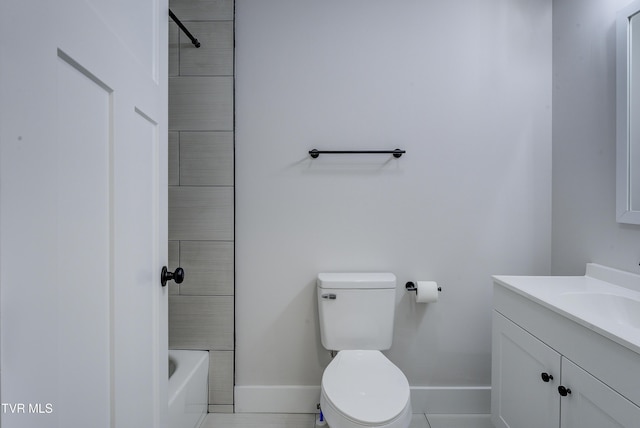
(566, 350)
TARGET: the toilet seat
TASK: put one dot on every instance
(365, 389)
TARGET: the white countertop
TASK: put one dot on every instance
(604, 300)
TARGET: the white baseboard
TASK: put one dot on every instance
(276, 399)
(451, 400)
(303, 399)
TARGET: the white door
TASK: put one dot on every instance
(521, 396)
(83, 126)
(592, 404)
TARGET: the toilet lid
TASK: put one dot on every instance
(365, 386)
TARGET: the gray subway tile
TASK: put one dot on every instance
(201, 213)
(174, 262)
(203, 10)
(221, 377)
(208, 267)
(206, 158)
(214, 57)
(201, 322)
(174, 41)
(201, 103)
(174, 159)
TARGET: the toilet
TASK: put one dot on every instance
(360, 387)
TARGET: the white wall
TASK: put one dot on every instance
(584, 139)
(465, 88)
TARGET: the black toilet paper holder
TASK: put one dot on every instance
(411, 286)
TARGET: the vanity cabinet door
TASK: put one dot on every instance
(525, 378)
(592, 404)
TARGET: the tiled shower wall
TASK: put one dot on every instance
(201, 189)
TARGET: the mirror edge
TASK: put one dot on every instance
(624, 214)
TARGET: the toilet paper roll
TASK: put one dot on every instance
(426, 291)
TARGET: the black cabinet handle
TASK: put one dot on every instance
(177, 276)
(563, 391)
(546, 377)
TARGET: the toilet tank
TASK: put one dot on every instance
(356, 310)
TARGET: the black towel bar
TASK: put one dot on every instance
(195, 41)
(396, 153)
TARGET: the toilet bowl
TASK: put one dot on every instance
(362, 388)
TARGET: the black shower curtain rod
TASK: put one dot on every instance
(195, 41)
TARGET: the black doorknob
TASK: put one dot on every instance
(546, 377)
(177, 276)
(563, 391)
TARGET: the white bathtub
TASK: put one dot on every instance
(188, 389)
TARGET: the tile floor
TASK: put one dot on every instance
(272, 420)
